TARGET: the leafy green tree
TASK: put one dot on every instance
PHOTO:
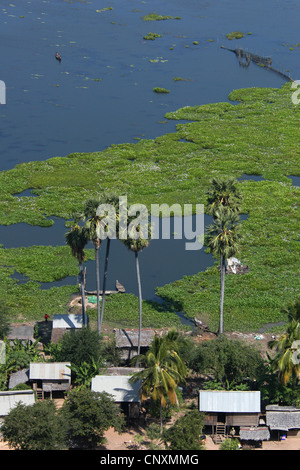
(185, 434)
(162, 372)
(4, 321)
(88, 415)
(79, 346)
(223, 240)
(229, 362)
(77, 239)
(273, 391)
(34, 427)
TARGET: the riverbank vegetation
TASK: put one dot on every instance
(254, 133)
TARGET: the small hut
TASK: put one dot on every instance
(283, 419)
(127, 342)
(23, 332)
(254, 433)
(63, 323)
(229, 409)
(123, 392)
(50, 377)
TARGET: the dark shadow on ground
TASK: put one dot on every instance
(44, 330)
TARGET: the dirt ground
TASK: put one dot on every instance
(127, 441)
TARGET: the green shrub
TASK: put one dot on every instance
(185, 434)
(230, 444)
(34, 427)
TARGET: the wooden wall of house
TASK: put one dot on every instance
(210, 419)
(242, 419)
(233, 419)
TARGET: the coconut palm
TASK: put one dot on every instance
(162, 372)
(76, 239)
(137, 244)
(286, 360)
(223, 192)
(223, 238)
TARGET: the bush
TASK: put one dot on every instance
(229, 361)
(185, 433)
(79, 346)
(230, 444)
(35, 427)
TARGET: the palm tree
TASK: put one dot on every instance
(113, 200)
(286, 360)
(137, 244)
(92, 229)
(76, 239)
(222, 239)
(223, 192)
(162, 371)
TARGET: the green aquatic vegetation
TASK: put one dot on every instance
(160, 90)
(120, 310)
(235, 35)
(179, 79)
(42, 263)
(256, 132)
(152, 36)
(157, 17)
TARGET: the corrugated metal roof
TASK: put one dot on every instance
(117, 386)
(50, 371)
(9, 399)
(229, 401)
(72, 320)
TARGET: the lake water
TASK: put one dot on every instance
(101, 93)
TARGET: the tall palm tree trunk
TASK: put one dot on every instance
(97, 286)
(140, 299)
(222, 290)
(82, 282)
(104, 283)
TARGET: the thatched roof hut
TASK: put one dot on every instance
(254, 433)
(282, 418)
(127, 341)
